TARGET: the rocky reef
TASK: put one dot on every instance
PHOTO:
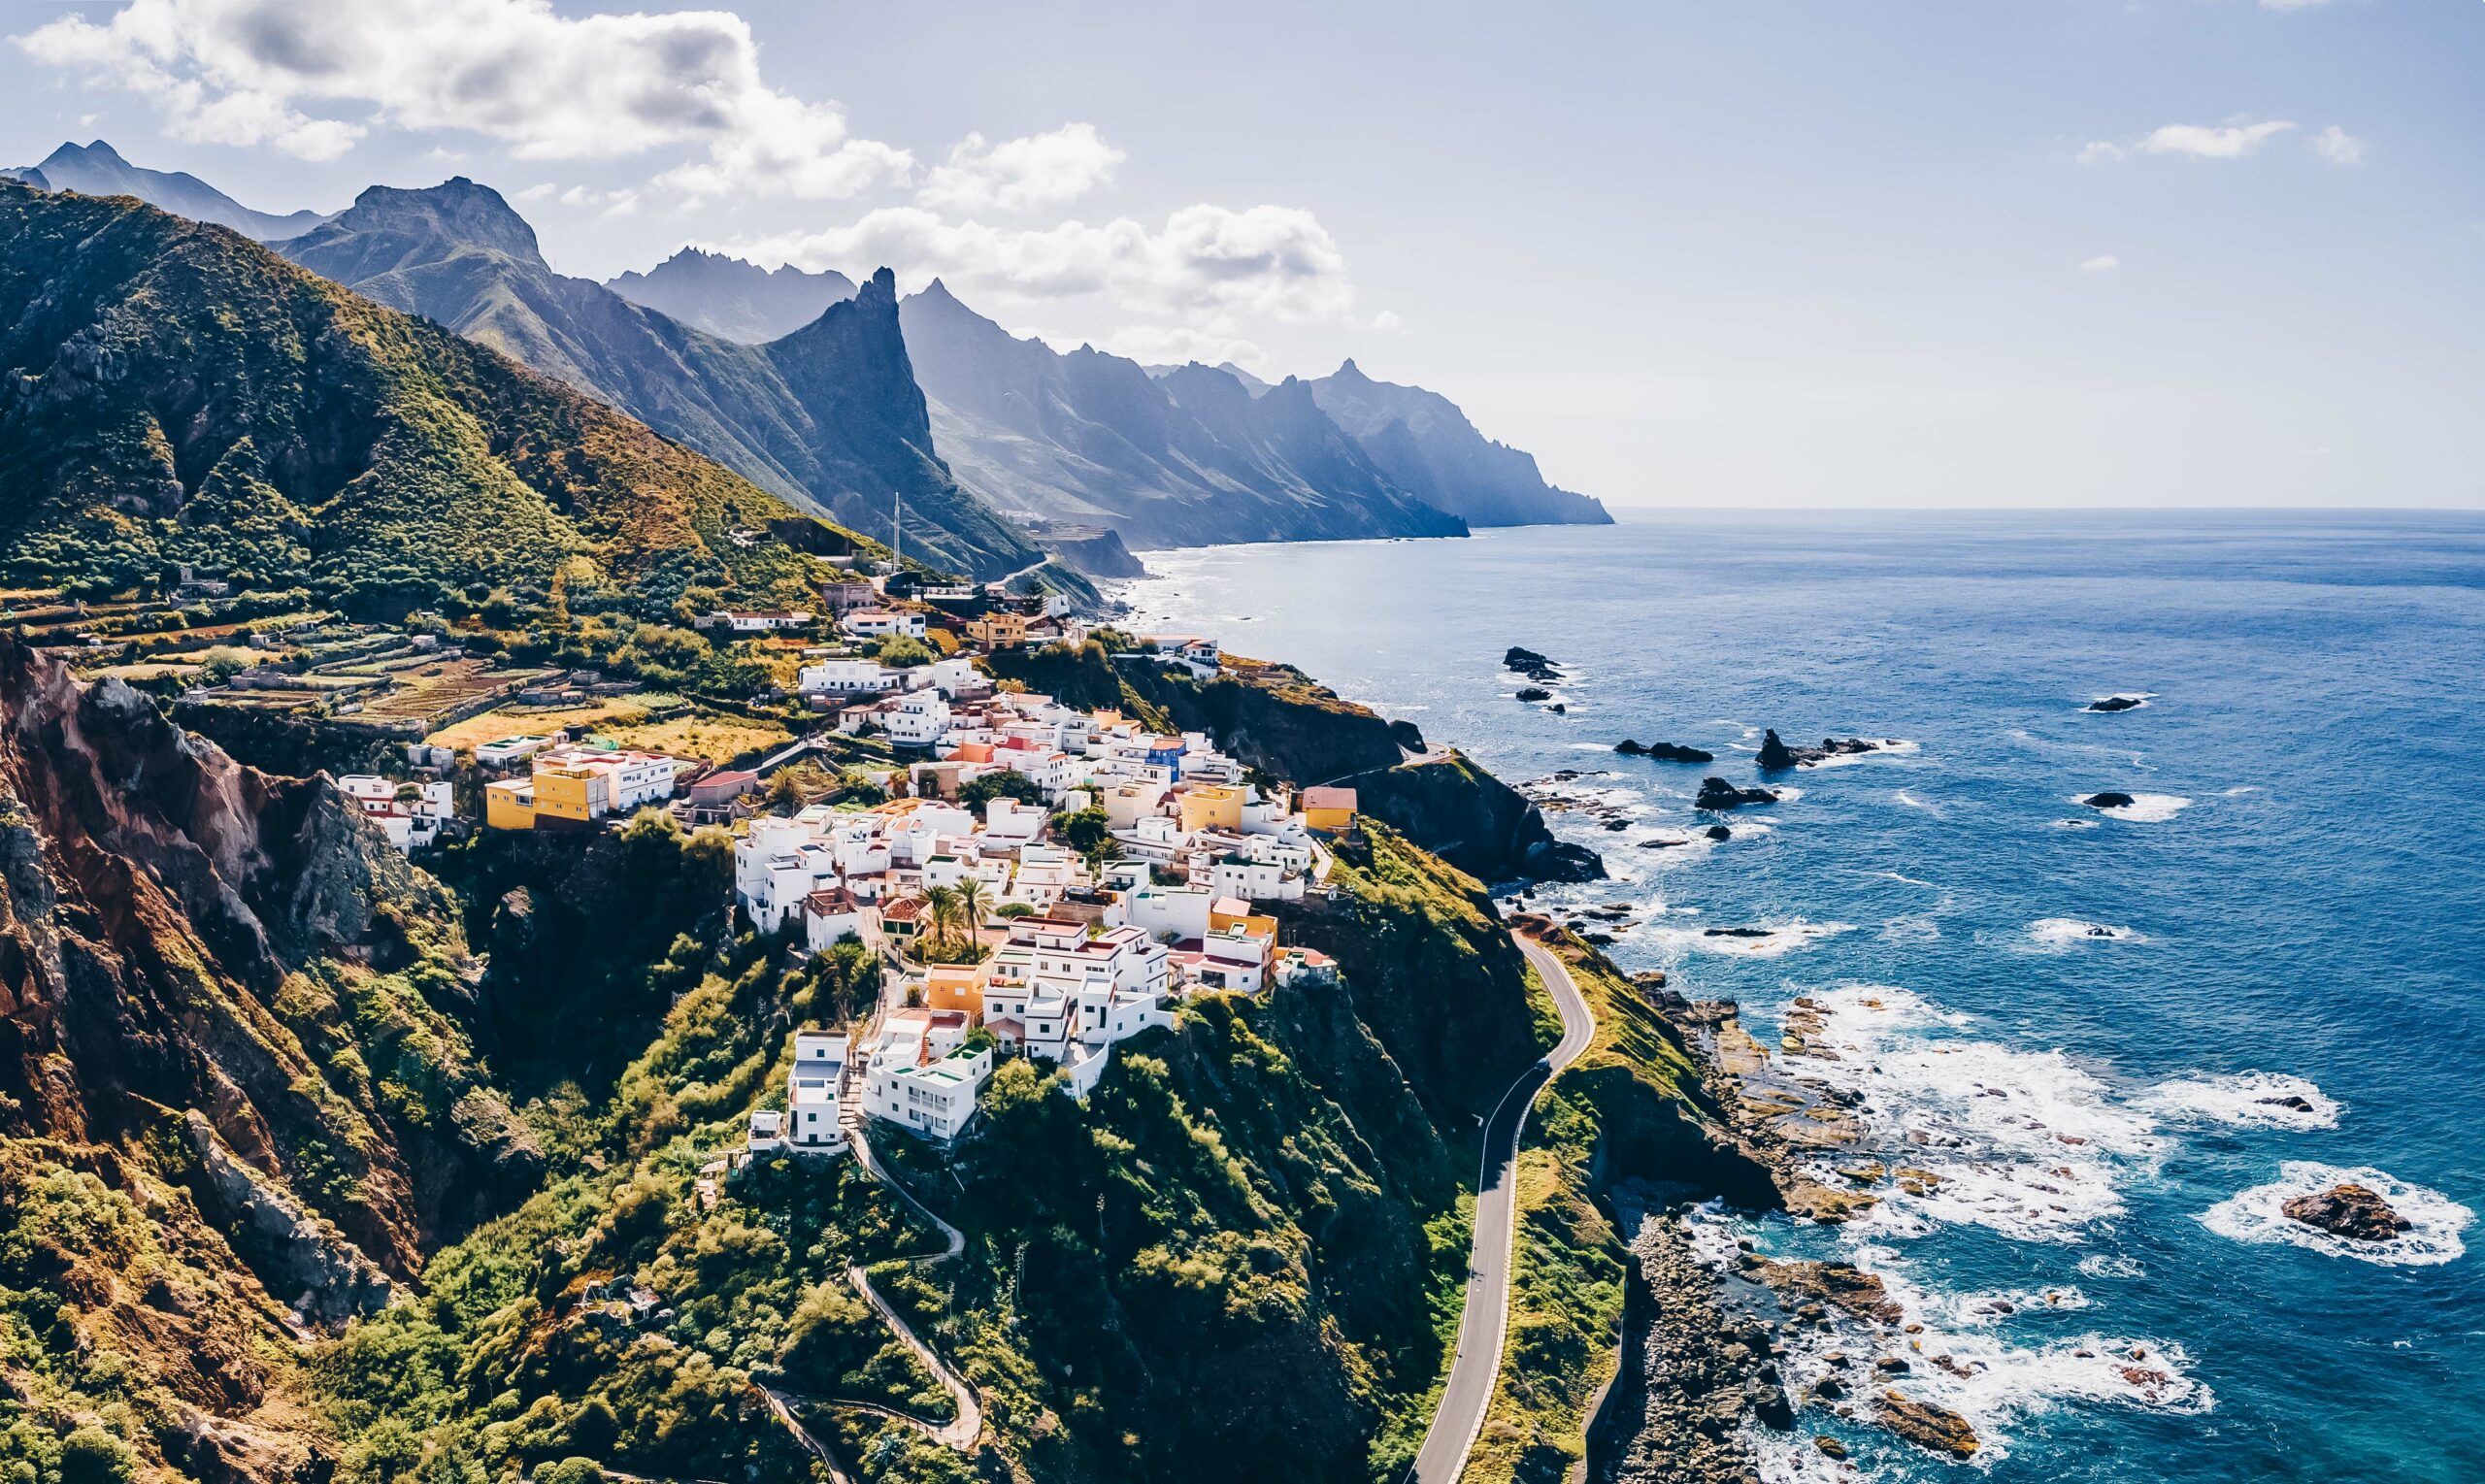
(1775, 756)
(2357, 1212)
(1717, 794)
(1664, 753)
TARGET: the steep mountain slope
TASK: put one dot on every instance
(172, 393)
(229, 1105)
(98, 170)
(833, 423)
(1168, 461)
(1422, 440)
(728, 297)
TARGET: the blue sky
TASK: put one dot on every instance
(2038, 253)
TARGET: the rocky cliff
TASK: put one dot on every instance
(1422, 440)
(231, 1102)
(728, 297)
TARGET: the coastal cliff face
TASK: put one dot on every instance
(204, 1008)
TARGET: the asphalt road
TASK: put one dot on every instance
(1486, 1321)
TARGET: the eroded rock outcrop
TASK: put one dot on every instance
(2357, 1212)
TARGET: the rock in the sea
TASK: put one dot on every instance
(2109, 800)
(1664, 753)
(1558, 709)
(1775, 755)
(1717, 794)
(2293, 1102)
(1720, 831)
(1555, 860)
(1534, 693)
(2354, 1211)
(2114, 704)
(1528, 663)
(1929, 1426)
(1406, 735)
(1830, 1447)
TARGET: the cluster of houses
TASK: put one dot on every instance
(572, 785)
(1061, 954)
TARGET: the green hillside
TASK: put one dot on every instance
(172, 393)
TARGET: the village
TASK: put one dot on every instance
(1031, 879)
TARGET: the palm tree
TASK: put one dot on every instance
(940, 906)
(970, 895)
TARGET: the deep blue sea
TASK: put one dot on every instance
(2073, 1017)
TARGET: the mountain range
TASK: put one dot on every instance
(828, 418)
(732, 298)
(98, 170)
(172, 393)
(842, 401)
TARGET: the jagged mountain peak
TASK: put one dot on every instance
(733, 297)
(97, 169)
(458, 210)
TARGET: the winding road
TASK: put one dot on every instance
(961, 1433)
(1485, 1322)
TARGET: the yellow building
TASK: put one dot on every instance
(955, 987)
(1233, 915)
(999, 631)
(554, 798)
(1212, 807)
(1329, 808)
(510, 804)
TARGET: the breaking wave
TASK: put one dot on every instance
(2433, 1236)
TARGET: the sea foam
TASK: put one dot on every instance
(2256, 1215)
(2027, 1144)
(2144, 809)
(2056, 934)
(2246, 1098)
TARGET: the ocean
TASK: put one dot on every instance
(2073, 1017)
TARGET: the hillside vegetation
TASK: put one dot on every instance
(172, 393)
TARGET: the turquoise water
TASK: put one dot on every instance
(2307, 921)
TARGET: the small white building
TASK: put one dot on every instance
(812, 1090)
(412, 822)
(847, 678)
(830, 916)
(934, 1097)
(920, 720)
(755, 621)
(509, 750)
(882, 623)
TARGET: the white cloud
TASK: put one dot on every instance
(2214, 142)
(1019, 175)
(1387, 321)
(245, 72)
(611, 203)
(1206, 261)
(535, 192)
(2103, 262)
(2200, 142)
(2339, 146)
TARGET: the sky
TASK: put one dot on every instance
(1753, 255)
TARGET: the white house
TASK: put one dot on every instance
(933, 1098)
(751, 622)
(881, 623)
(846, 677)
(509, 750)
(410, 823)
(1179, 913)
(951, 677)
(810, 1093)
(920, 720)
(776, 865)
(830, 916)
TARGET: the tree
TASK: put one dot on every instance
(999, 784)
(971, 901)
(899, 651)
(1083, 830)
(941, 910)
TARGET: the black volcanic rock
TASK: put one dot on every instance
(1720, 831)
(1664, 753)
(1407, 734)
(2116, 704)
(1534, 693)
(1776, 756)
(2109, 800)
(1718, 793)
